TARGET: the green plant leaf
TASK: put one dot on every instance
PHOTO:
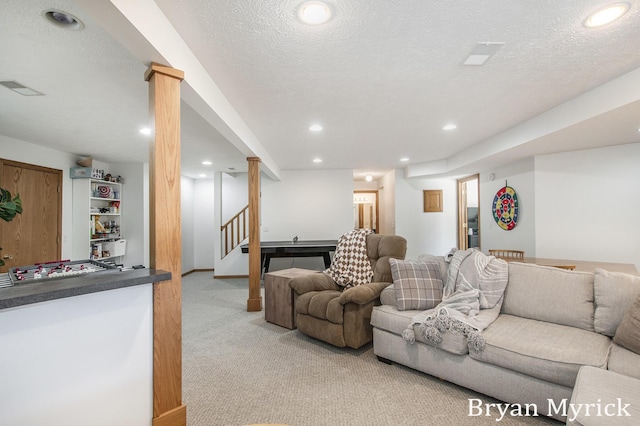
(9, 207)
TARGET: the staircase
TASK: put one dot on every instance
(234, 231)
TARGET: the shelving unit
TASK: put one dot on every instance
(103, 240)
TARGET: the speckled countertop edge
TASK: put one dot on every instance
(44, 290)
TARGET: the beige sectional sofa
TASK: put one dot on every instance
(551, 323)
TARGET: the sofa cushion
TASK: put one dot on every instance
(388, 318)
(628, 332)
(614, 292)
(550, 294)
(388, 296)
(417, 285)
(548, 351)
(439, 260)
(612, 397)
(624, 361)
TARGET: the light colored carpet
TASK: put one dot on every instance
(240, 369)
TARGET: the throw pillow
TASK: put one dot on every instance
(417, 285)
(628, 332)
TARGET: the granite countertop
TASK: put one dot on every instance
(58, 288)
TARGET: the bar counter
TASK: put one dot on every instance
(78, 350)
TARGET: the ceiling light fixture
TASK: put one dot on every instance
(202, 175)
(62, 19)
(19, 88)
(315, 128)
(606, 15)
(314, 13)
(368, 178)
(483, 51)
(317, 160)
(206, 163)
(449, 127)
(404, 159)
(145, 131)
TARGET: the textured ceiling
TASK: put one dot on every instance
(381, 77)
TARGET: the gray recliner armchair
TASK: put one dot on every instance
(341, 317)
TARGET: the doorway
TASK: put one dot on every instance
(35, 235)
(469, 212)
(366, 210)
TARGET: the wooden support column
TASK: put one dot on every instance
(254, 303)
(165, 244)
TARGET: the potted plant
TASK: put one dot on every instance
(9, 207)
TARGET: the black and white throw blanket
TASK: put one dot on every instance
(474, 282)
(351, 265)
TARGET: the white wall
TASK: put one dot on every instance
(426, 233)
(519, 176)
(187, 219)
(313, 205)
(308, 204)
(76, 361)
(387, 194)
(587, 205)
(204, 232)
(235, 195)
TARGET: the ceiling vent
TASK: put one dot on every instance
(483, 51)
(17, 87)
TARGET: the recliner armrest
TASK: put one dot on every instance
(312, 282)
(363, 294)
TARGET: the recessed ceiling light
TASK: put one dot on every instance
(315, 128)
(314, 13)
(145, 131)
(450, 127)
(206, 163)
(62, 19)
(368, 178)
(202, 175)
(404, 159)
(317, 160)
(606, 15)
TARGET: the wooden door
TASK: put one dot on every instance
(35, 236)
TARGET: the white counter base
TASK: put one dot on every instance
(82, 360)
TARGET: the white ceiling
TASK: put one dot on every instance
(381, 77)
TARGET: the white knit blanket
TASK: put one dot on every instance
(351, 266)
(474, 282)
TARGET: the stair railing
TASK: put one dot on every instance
(234, 231)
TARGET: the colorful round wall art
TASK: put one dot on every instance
(505, 208)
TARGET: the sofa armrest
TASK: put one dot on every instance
(363, 293)
(312, 282)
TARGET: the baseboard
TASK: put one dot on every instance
(198, 270)
(228, 277)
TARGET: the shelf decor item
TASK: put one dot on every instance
(105, 191)
(505, 208)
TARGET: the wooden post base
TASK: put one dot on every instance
(175, 417)
(254, 305)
